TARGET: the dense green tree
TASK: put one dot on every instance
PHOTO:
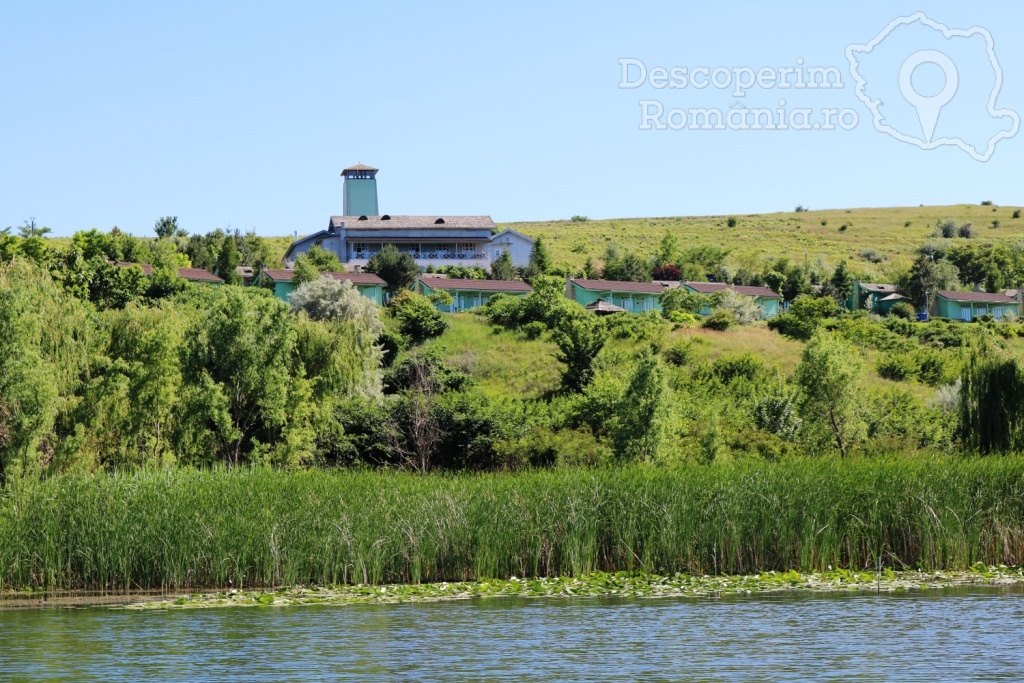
(684, 301)
(167, 228)
(841, 283)
(502, 268)
(243, 397)
(417, 317)
(991, 402)
(579, 340)
(830, 399)
(927, 277)
(641, 423)
(396, 268)
(228, 259)
(540, 261)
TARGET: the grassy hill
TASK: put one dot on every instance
(830, 235)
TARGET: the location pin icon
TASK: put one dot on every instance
(928, 108)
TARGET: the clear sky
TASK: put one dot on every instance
(243, 114)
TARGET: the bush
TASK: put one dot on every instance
(719, 320)
(534, 330)
(667, 272)
(776, 414)
(744, 309)
(633, 326)
(745, 365)
(902, 310)
(1016, 213)
(580, 219)
(417, 317)
(871, 256)
(731, 222)
(898, 367)
(680, 353)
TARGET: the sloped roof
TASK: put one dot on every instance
(878, 288)
(617, 286)
(602, 306)
(477, 285)
(893, 297)
(360, 167)
(190, 274)
(980, 297)
(285, 275)
(413, 222)
(745, 290)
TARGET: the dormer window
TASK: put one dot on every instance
(362, 218)
(439, 221)
(385, 217)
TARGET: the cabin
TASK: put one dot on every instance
(967, 306)
(469, 294)
(197, 275)
(874, 297)
(637, 297)
(280, 280)
(767, 300)
(359, 234)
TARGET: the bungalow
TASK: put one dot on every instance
(768, 301)
(190, 274)
(367, 284)
(967, 306)
(430, 240)
(469, 294)
(637, 297)
(874, 297)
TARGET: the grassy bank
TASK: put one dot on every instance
(246, 528)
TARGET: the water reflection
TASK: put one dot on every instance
(966, 635)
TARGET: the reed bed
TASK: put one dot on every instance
(257, 528)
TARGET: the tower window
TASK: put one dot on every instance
(385, 217)
(362, 218)
(439, 221)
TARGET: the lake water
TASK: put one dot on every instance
(966, 635)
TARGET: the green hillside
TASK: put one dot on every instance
(894, 233)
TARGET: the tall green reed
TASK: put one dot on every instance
(259, 527)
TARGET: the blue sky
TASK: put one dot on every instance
(242, 115)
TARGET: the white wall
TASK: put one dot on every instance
(518, 247)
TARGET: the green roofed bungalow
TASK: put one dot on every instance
(874, 297)
(468, 294)
(768, 301)
(636, 297)
(967, 306)
(369, 285)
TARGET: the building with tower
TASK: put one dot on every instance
(431, 240)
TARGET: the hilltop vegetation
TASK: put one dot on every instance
(858, 236)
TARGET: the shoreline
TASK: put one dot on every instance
(598, 584)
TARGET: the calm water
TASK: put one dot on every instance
(972, 635)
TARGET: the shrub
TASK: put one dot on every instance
(745, 365)
(720, 320)
(534, 330)
(843, 227)
(872, 256)
(824, 222)
(680, 353)
(902, 310)
(682, 301)
(417, 317)
(632, 326)
(1016, 213)
(906, 224)
(744, 309)
(967, 231)
(800, 208)
(996, 224)
(986, 202)
(731, 222)
(776, 414)
(898, 367)
(579, 219)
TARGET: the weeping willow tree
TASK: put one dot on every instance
(992, 402)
